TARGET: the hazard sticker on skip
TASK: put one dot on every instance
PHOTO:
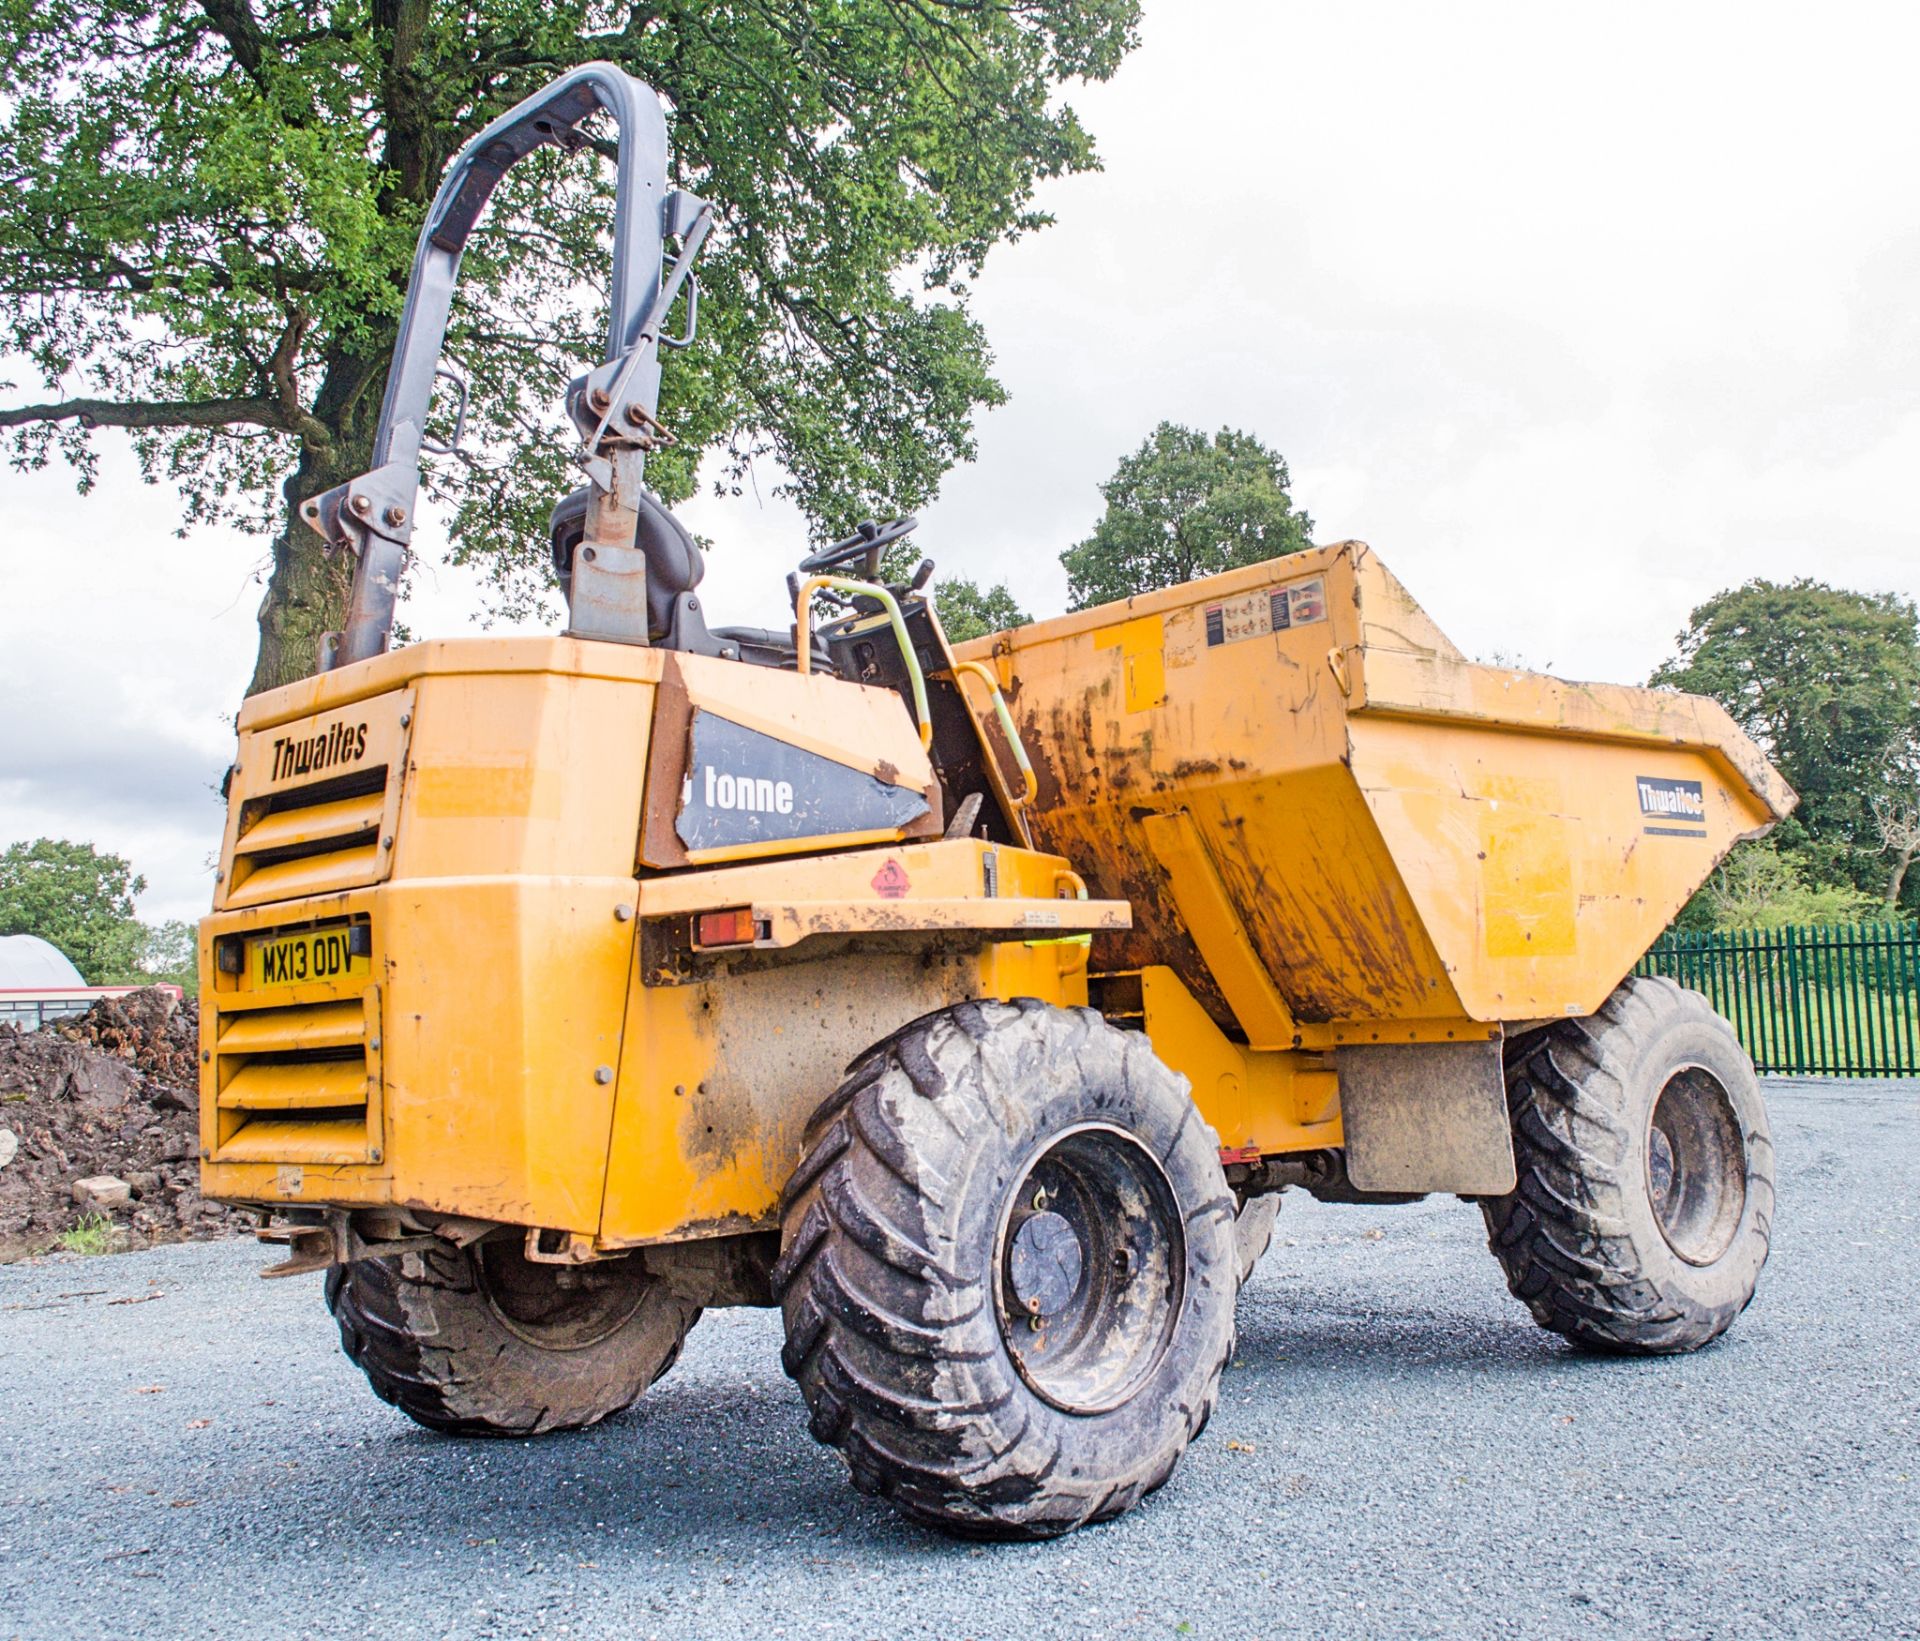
(1271, 610)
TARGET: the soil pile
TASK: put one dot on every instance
(111, 1092)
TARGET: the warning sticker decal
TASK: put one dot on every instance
(1271, 610)
(891, 881)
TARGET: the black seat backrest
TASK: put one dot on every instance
(675, 563)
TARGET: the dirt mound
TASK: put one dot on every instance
(113, 1092)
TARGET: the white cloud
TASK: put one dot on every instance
(1577, 316)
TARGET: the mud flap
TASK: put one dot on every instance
(1426, 1117)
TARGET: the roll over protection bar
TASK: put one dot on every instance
(613, 406)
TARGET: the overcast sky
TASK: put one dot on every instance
(1578, 315)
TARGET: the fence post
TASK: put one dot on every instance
(1796, 1028)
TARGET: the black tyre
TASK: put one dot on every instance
(482, 1341)
(1008, 1270)
(1644, 1205)
(1253, 1230)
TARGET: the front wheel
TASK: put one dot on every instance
(1643, 1209)
(1008, 1270)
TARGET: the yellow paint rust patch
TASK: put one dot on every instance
(1142, 646)
(1527, 882)
(488, 791)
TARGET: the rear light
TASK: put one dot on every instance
(734, 927)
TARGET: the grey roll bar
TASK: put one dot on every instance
(613, 406)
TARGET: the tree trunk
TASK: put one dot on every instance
(1896, 879)
(307, 592)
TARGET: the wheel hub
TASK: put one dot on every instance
(558, 1307)
(1660, 1171)
(1696, 1166)
(1092, 1269)
(1046, 1263)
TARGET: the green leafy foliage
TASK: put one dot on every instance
(1760, 887)
(168, 955)
(211, 211)
(77, 899)
(80, 900)
(1828, 682)
(968, 612)
(1185, 505)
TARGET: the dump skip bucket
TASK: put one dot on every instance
(1322, 812)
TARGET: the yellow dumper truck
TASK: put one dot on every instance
(971, 1005)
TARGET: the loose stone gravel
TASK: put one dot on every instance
(1399, 1452)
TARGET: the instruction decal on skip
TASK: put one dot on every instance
(1272, 609)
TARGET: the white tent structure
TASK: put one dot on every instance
(38, 984)
(28, 963)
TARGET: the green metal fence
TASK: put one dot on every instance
(1840, 1002)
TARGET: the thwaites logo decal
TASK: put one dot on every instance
(1271, 610)
(743, 788)
(1673, 809)
(335, 747)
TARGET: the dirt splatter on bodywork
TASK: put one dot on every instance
(1397, 833)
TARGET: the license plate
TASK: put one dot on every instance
(296, 959)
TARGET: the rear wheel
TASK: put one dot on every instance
(1643, 1208)
(1008, 1270)
(482, 1341)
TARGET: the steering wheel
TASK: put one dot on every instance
(868, 538)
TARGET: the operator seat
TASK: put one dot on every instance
(675, 565)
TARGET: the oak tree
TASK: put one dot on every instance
(77, 899)
(1186, 505)
(1828, 682)
(211, 206)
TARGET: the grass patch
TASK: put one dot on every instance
(1825, 1029)
(94, 1234)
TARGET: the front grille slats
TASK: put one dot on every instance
(314, 803)
(319, 823)
(303, 1142)
(282, 1031)
(308, 875)
(299, 1082)
(296, 1085)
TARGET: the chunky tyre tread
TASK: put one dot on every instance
(896, 1351)
(1253, 1231)
(422, 1330)
(1565, 1236)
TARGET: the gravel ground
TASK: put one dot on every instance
(1398, 1452)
